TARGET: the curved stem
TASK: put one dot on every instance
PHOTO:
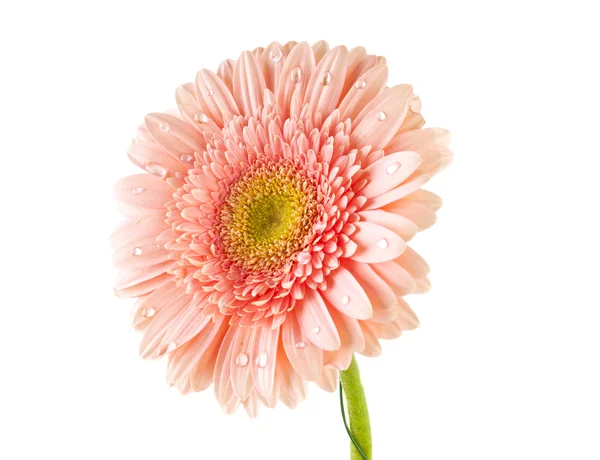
(360, 427)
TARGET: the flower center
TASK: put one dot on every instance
(267, 216)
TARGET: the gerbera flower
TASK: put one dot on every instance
(267, 240)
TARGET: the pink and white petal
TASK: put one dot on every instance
(130, 277)
(292, 387)
(338, 359)
(148, 306)
(214, 97)
(404, 227)
(142, 253)
(376, 243)
(222, 376)
(402, 191)
(366, 88)
(355, 57)
(225, 72)
(305, 357)
(184, 359)
(328, 380)
(388, 172)
(407, 318)
(421, 214)
(380, 294)
(346, 294)
(202, 373)
(396, 277)
(316, 322)
(251, 405)
(387, 331)
(152, 158)
(423, 285)
(297, 69)
(142, 194)
(241, 362)
(150, 346)
(413, 263)
(320, 49)
(128, 231)
(326, 82)
(372, 345)
(264, 358)
(380, 119)
(272, 62)
(185, 326)
(430, 143)
(174, 135)
(426, 197)
(248, 84)
(145, 287)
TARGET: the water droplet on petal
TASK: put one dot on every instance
(210, 92)
(241, 360)
(345, 300)
(382, 243)
(185, 158)
(201, 117)
(171, 347)
(326, 78)
(136, 251)
(360, 84)
(276, 54)
(137, 190)
(148, 312)
(300, 345)
(393, 167)
(296, 75)
(164, 126)
(381, 116)
(156, 169)
(303, 258)
(261, 359)
(316, 329)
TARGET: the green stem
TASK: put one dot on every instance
(356, 403)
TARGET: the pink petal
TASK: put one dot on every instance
(376, 243)
(326, 82)
(404, 227)
(222, 374)
(248, 84)
(406, 316)
(201, 376)
(272, 62)
(372, 345)
(328, 380)
(360, 95)
(315, 321)
(214, 97)
(305, 357)
(142, 253)
(380, 119)
(389, 172)
(145, 287)
(346, 294)
(148, 307)
(134, 276)
(225, 72)
(153, 158)
(421, 214)
(398, 193)
(264, 358)
(320, 49)
(142, 192)
(174, 135)
(292, 387)
(130, 231)
(396, 277)
(295, 75)
(241, 357)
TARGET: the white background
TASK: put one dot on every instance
(506, 362)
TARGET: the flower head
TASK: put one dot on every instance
(267, 240)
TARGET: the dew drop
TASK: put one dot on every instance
(296, 75)
(210, 92)
(164, 126)
(393, 167)
(137, 190)
(360, 84)
(201, 117)
(382, 243)
(276, 54)
(148, 312)
(381, 116)
(300, 345)
(326, 78)
(345, 300)
(156, 169)
(316, 329)
(241, 360)
(171, 347)
(137, 251)
(185, 158)
(261, 359)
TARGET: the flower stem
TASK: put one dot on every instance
(360, 427)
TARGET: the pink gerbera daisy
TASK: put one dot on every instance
(267, 241)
